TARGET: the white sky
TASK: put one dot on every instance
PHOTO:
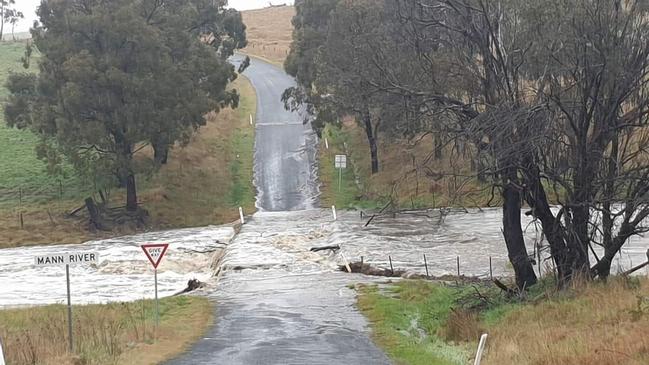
(28, 7)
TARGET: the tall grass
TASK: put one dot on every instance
(592, 323)
(101, 333)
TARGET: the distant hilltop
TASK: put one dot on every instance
(270, 5)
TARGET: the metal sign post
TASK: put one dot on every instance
(340, 163)
(155, 252)
(66, 260)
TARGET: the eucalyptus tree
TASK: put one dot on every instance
(118, 75)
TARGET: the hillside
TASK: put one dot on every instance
(203, 183)
(269, 32)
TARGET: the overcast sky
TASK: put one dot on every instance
(28, 7)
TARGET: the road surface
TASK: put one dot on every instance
(285, 146)
(276, 302)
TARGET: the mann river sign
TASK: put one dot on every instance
(67, 259)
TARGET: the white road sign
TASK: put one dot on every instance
(70, 258)
(341, 161)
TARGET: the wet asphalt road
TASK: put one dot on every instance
(285, 146)
(277, 303)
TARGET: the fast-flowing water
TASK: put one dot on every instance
(122, 274)
(277, 302)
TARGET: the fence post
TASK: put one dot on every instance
(391, 268)
(458, 266)
(333, 210)
(491, 270)
(243, 221)
(481, 346)
(426, 265)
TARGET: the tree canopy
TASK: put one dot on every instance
(118, 75)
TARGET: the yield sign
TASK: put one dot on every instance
(155, 252)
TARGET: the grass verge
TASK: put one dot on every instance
(420, 322)
(117, 333)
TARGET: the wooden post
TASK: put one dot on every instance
(362, 262)
(60, 189)
(391, 268)
(426, 265)
(22, 222)
(458, 266)
(20, 196)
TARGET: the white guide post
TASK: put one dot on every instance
(333, 210)
(481, 346)
(243, 221)
(250, 119)
(326, 143)
(2, 357)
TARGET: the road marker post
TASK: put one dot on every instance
(243, 221)
(481, 346)
(67, 259)
(340, 163)
(326, 143)
(2, 357)
(250, 119)
(155, 253)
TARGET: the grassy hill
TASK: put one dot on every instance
(269, 32)
(204, 182)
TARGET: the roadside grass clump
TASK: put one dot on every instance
(593, 323)
(407, 320)
(421, 322)
(116, 333)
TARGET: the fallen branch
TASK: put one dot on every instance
(504, 287)
(74, 212)
(333, 248)
(379, 213)
(631, 271)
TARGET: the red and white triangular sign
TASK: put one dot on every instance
(155, 252)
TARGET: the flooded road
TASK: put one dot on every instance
(276, 301)
(123, 272)
(285, 146)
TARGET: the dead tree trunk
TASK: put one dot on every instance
(93, 212)
(371, 138)
(523, 270)
(131, 194)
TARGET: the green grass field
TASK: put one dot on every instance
(20, 169)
